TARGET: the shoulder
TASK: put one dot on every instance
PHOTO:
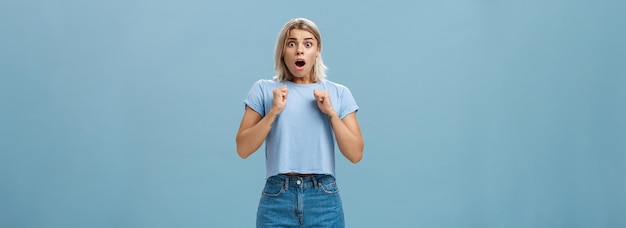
(340, 88)
(331, 84)
(267, 83)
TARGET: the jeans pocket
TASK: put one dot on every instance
(329, 187)
(273, 188)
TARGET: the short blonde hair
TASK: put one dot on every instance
(282, 72)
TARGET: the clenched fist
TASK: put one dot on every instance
(323, 101)
(280, 99)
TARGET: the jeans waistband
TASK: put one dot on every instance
(298, 181)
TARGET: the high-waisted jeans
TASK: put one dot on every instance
(289, 201)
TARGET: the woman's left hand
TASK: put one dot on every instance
(323, 101)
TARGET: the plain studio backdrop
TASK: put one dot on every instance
(481, 113)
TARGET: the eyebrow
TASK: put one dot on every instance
(308, 38)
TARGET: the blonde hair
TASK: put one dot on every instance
(282, 72)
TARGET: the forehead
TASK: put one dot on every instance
(300, 34)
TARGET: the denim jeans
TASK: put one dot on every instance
(312, 201)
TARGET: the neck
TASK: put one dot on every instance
(303, 80)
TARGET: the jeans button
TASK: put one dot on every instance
(298, 182)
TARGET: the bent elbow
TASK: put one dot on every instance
(244, 150)
(242, 153)
(356, 159)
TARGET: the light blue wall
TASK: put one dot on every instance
(481, 113)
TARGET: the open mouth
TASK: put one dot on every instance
(300, 63)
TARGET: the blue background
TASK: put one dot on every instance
(480, 113)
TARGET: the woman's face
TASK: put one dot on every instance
(299, 54)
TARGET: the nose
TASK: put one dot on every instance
(299, 50)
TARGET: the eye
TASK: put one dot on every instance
(291, 44)
(308, 44)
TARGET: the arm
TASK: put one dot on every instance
(347, 130)
(254, 129)
(348, 135)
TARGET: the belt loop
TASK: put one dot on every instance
(286, 186)
(314, 178)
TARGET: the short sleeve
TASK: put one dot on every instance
(348, 104)
(255, 98)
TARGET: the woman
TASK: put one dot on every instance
(296, 114)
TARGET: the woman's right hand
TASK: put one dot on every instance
(280, 99)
